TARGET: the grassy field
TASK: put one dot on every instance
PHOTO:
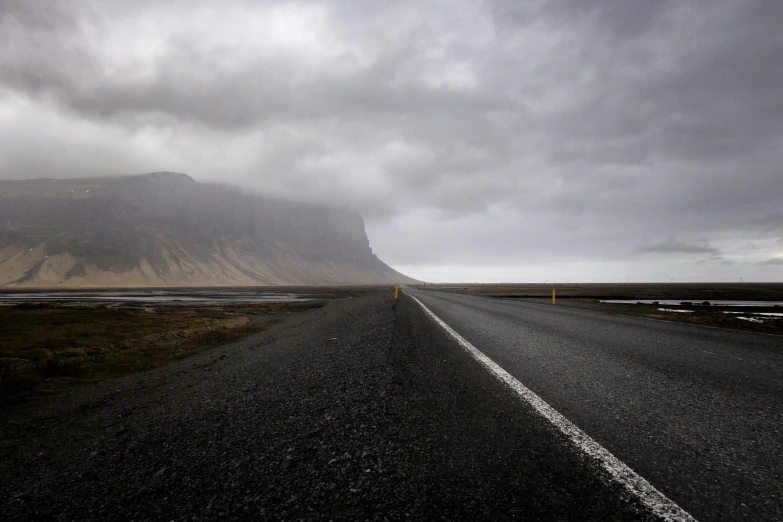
(45, 346)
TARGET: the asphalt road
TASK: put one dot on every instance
(366, 410)
(361, 410)
(698, 412)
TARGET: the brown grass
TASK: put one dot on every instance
(45, 346)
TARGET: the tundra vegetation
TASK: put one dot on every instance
(45, 347)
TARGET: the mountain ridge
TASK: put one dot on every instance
(165, 229)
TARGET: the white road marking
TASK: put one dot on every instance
(650, 497)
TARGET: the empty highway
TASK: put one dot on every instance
(698, 412)
(369, 409)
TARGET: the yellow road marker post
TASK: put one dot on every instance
(396, 290)
(553, 296)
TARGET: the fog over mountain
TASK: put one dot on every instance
(490, 140)
(165, 229)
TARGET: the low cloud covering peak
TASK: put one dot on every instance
(481, 140)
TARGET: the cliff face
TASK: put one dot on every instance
(165, 229)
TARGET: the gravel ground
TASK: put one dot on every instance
(361, 410)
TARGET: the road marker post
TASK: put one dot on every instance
(396, 290)
(553, 296)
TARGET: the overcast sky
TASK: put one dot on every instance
(482, 141)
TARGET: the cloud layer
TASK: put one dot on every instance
(481, 140)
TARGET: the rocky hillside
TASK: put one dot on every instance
(165, 229)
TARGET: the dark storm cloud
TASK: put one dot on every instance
(50, 15)
(490, 133)
(772, 221)
(235, 98)
(671, 246)
(690, 80)
(209, 84)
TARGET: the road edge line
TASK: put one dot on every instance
(661, 505)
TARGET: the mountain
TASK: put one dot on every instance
(165, 229)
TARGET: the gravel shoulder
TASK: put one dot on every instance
(362, 409)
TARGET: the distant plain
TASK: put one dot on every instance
(694, 300)
(51, 339)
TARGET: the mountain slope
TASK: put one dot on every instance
(165, 229)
